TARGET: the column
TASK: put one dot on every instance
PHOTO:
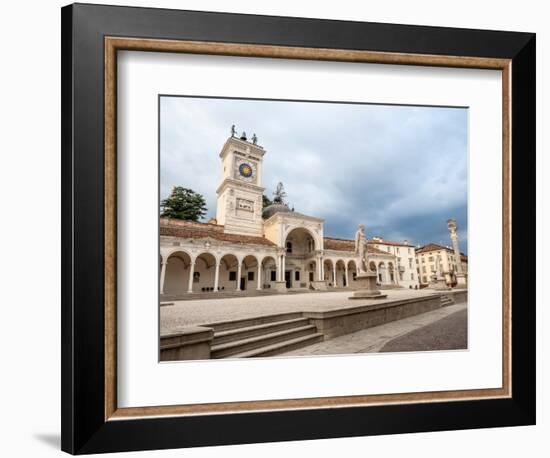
(334, 281)
(162, 276)
(239, 275)
(217, 276)
(259, 276)
(451, 224)
(319, 268)
(191, 273)
(283, 267)
(278, 266)
(322, 269)
(347, 277)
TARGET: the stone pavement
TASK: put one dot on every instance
(449, 333)
(375, 339)
(202, 311)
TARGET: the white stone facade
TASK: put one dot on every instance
(250, 248)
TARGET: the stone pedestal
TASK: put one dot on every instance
(439, 283)
(366, 281)
(280, 286)
(319, 285)
(461, 281)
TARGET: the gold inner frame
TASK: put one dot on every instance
(114, 44)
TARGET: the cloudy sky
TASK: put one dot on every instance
(401, 171)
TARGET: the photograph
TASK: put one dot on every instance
(305, 228)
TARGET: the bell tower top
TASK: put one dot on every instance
(242, 160)
(239, 205)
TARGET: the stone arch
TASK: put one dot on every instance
(269, 271)
(340, 273)
(169, 253)
(176, 280)
(229, 263)
(249, 272)
(352, 271)
(299, 238)
(328, 270)
(204, 272)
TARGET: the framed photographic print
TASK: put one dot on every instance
(283, 228)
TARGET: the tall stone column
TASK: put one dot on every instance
(347, 276)
(162, 275)
(191, 273)
(451, 224)
(334, 281)
(239, 267)
(259, 276)
(460, 275)
(217, 276)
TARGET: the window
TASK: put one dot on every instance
(412, 276)
(424, 280)
(273, 275)
(410, 263)
(423, 260)
(431, 259)
(409, 250)
(250, 276)
(297, 275)
(398, 259)
(232, 276)
(388, 248)
(196, 277)
(289, 247)
(400, 275)
(423, 269)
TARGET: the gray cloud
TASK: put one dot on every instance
(401, 171)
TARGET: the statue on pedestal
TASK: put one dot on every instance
(361, 249)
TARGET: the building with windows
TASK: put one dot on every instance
(248, 247)
(405, 272)
(441, 261)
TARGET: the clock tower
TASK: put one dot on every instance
(239, 205)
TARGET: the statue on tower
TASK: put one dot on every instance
(279, 194)
(233, 130)
(254, 139)
(361, 249)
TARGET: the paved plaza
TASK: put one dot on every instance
(442, 329)
(203, 311)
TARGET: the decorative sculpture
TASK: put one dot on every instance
(254, 139)
(361, 249)
(279, 194)
(233, 130)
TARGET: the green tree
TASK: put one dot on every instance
(184, 203)
(266, 202)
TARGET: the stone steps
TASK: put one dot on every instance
(282, 347)
(253, 343)
(447, 300)
(233, 335)
(254, 321)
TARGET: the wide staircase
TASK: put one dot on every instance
(262, 336)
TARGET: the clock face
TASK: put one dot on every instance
(245, 170)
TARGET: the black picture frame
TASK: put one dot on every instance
(84, 427)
